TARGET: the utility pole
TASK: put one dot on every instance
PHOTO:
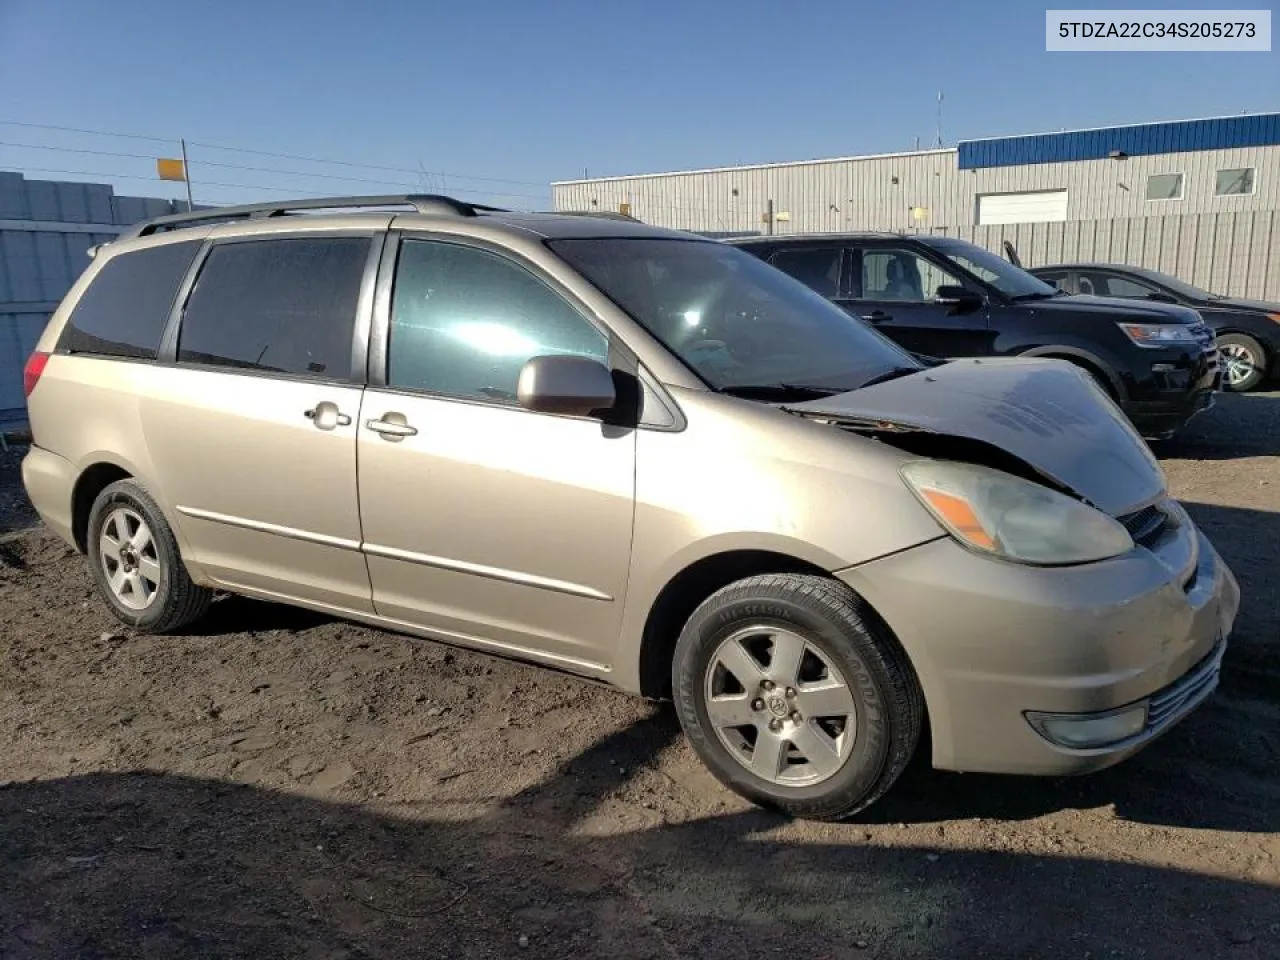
(939, 143)
(769, 215)
(186, 174)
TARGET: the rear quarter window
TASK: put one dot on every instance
(125, 308)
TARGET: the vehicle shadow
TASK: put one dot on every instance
(231, 614)
(148, 864)
(1239, 425)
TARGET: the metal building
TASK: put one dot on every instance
(1190, 167)
(45, 228)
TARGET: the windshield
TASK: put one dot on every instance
(986, 266)
(738, 322)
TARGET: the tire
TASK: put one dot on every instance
(1242, 349)
(131, 545)
(860, 745)
(1099, 381)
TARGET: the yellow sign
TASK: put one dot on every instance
(170, 169)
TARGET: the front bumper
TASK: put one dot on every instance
(992, 642)
(1178, 385)
(1164, 416)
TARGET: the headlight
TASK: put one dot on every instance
(998, 513)
(1159, 334)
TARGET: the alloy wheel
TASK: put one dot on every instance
(779, 706)
(1239, 363)
(127, 552)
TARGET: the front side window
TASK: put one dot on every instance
(1009, 279)
(464, 322)
(1233, 183)
(818, 268)
(1164, 186)
(901, 275)
(740, 324)
(124, 311)
(285, 306)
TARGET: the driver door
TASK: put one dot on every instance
(485, 522)
(894, 290)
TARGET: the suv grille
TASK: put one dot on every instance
(1145, 525)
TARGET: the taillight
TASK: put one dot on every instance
(31, 372)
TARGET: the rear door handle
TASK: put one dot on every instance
(326, 415)
(392, 426)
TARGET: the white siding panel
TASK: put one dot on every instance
(879, 193)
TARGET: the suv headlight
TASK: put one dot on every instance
(1159, 334)
(1000, 514)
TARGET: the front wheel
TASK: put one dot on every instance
(796, 696)
(1244, 362)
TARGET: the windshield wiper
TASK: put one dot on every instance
(891, 374)
(781, 391)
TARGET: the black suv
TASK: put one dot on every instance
(946, 298)
(1248, 330)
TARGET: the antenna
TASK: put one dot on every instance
(939, 143)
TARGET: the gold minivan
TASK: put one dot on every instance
(634, 454)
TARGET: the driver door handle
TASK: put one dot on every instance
(876, 316)
(392, 426)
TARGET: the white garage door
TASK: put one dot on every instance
(1039, 207)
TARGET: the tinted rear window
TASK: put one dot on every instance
(818, 268)
(124, 311)
(285, 306)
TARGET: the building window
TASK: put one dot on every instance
(1233, 183)
(1164, 186)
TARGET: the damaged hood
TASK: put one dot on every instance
(1044, 412)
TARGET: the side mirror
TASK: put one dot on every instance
(569, 385)
(956, 296)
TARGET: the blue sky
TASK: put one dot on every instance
(525, 93)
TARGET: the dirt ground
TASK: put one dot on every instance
(277, 784)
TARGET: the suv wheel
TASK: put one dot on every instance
(795, 696)
(1244, 362)
(135, 563)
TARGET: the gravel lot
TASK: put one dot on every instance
(278, 784)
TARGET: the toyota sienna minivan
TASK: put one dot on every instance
(633, 454)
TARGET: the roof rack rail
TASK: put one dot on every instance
(421, 203)
(602, 214)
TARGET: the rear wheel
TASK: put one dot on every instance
(796, 696)
(134, 560)
(1244, 362)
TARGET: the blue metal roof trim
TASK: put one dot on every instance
(1219, 133)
